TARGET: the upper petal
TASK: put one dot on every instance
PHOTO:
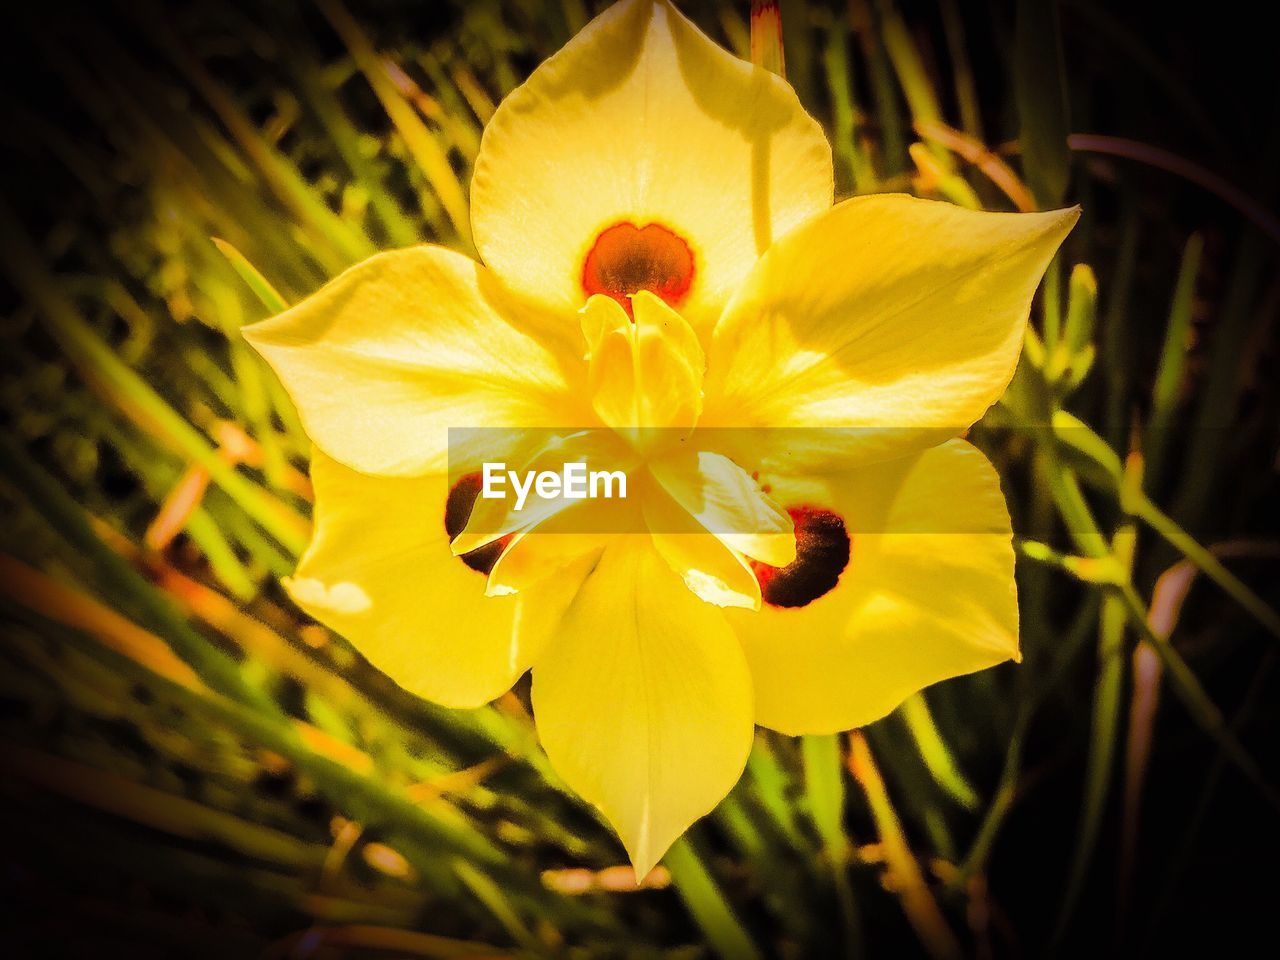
(385, 358)
(928, 594)
(643, 701)
(888, 324)
(641, 119)
(380, 572)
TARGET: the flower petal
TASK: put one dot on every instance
(596, 450)
(379, 571)
(928, 594)
(385, 358)
(884, 326)
(643, 702)
(713, 571)
(642, 119)
(726, 501)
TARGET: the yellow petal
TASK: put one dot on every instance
(541, 605)
(596, 450)
(643, 701)
(383, 360)
(712, 570)
(727, 502)
(538, 555)
(928, 594)
(380, 572)
(896, 319)
(642, 119)
(645, 375)
(535, 556)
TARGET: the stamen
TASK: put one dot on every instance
(822, 553)
(457, 511)
(626, 259)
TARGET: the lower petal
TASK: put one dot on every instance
(643, 701)
(927, 594)
(380, 572)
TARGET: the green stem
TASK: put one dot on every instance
(1084, 530)
(1103, 735)
(1208, 564)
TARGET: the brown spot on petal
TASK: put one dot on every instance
(457, 511)
(822, 553)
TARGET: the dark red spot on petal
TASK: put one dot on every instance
(626, 259)
(822, 553)
(457, 511)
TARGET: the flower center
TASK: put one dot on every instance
(626, 259)
(822, 553)
(457, 511)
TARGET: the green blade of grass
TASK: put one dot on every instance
(935, 753)
(1040, 92)
(1173, 359)
(432, 159)
(100, 364)
(707, 904)
(824, 790)
(126, 585)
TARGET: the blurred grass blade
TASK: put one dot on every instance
(1173, 361)
(126, 585)
(893, 148)
(707, 904)
(854, 171)
(347, 241)
(267, 295)
(491, 895)
(1210, 565)
(1104, 730)
(100, 364)
(937, 756)
(1040, 91)
(154, 809)
(1084, 530)
(59, 602)
(907, 881)
(824, 789)
(432, 158)
(922, 99)
(771, 786)
(958, 51)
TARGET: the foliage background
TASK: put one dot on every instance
(190, 767)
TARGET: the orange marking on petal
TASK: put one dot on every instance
(626, 259)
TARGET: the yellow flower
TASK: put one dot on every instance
(805, 543)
